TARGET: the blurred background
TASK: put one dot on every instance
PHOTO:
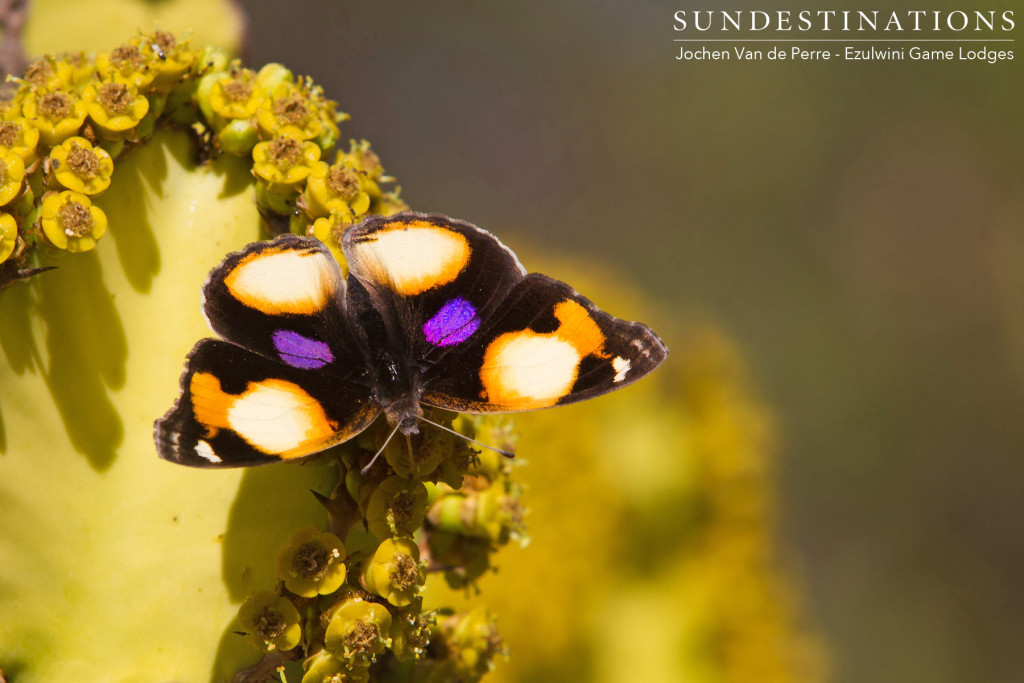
(857, 229)
(851, 233)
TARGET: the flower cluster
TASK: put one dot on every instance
(290, 130)
(73, 117)
(60, 132)
(431, 506)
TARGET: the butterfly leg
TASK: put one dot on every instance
(366, 469)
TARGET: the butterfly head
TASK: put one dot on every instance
(397, 390)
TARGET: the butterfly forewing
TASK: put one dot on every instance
(284, 299)
(433, 279)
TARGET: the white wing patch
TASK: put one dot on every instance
(284, 282)
(411, 259)
(526, 370)
(276, 416)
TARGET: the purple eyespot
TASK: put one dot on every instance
(453, 324)
(301, 352)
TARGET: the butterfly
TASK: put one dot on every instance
(434, 312)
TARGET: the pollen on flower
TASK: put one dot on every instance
(312, 561)
(404, 572)
(75, 218)
(285, 151)
(269, 625)
(369, 161)
(292, 109)
(128, 56)
(116, 98)
(83, 162)
(55, 105)
(164, 40)
(343, 182)
(9, 132)
(362, 638)
(38, 72)
(236, 90)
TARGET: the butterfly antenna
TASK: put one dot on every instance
(507, 454)
(366, 469)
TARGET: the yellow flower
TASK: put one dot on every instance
(365, 161)
(71, 222)
(12, 175)
(394, 572)
(330, 230)
(57, 115)
(10, 109)
(235, 95)
(8, 235)
(127, 64)
(474, 640)
(170, 59)
(323, 667)
(357, 631)
(79, 166)
(270, 621)
(313, 563)
(396, 507)
(44, 74)
(411, 632)
(299, 111)
(330, 188)
(284, 162)
(21, 138)
(116, 108)
(76, 70)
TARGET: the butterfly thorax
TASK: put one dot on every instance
(397, 390)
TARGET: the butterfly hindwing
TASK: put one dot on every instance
(238, 408)
(546, 346)
(283, 299)
(434, 280)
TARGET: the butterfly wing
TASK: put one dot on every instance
(547, 345)
(285, 299)
(491, 338)
(290, 382)
(238, 408)
(432, 279)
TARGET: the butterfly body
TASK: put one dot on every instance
(434, 312)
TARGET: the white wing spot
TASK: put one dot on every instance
(205, 451)
(527, 370)
(286, 281)
(621, 366)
